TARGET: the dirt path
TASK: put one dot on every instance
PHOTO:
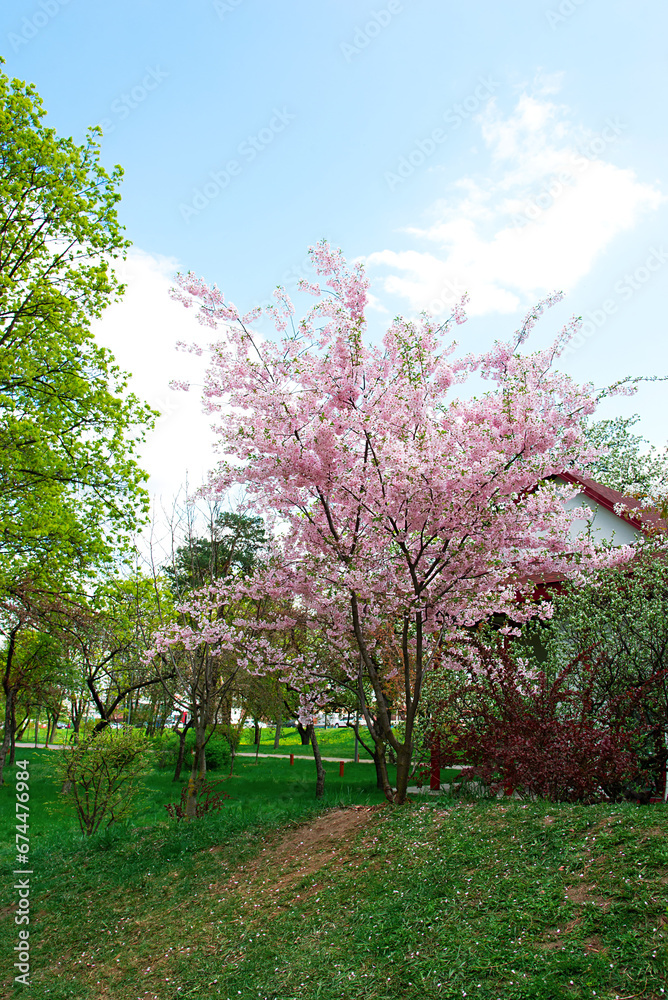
(302, 851)
(219, 915)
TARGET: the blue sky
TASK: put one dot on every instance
(504, 149)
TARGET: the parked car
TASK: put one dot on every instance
(337, 720)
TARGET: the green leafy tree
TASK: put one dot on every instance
(33, 671)
(619, 620)
(234, 547)
(108, 633)
(631, 464)
(70, 487)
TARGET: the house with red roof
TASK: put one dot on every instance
(618, 519)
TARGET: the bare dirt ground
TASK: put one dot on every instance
(303, 851)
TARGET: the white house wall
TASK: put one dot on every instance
(605, 527)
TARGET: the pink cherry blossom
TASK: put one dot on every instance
(409, 510)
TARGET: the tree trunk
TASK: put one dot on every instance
(76, 713)
(382, 779)
(21, 727)
(304, 734)
(380, 776)
(235, 736)
(12, 734)
(404, 755)
(319, 769)
(277, 734)
(198, 773)
(9, 704)
(256, 733)
(182, 750)
(225, 712)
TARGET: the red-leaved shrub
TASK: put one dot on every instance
(208, 800)
(537, 735)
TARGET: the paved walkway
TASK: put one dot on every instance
(283, 756)
(40, 746)
(304, 756)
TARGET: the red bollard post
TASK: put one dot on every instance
(340, 769)
(435, 780)
(292, 759)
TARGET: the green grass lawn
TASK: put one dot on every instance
(333, 742)
(280, 897)
(250, 786)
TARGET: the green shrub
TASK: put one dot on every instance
(218, 753)
(101, 771)
(231, 734)
(166, 750)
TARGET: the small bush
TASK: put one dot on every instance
(102, 771)
(166, 750)
(231, 735)
(218, 753)
(208, 801)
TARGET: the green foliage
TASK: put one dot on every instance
(619, 621)
(438, 703)
(232, 735)
(101, 772)
(622, 617)
(631, 464)
(234, 548)
(70, 488)
(166, 750)
(218, 753)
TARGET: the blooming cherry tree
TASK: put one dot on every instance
(406, 506)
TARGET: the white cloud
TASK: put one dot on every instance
(548, 206)
(141, 331)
